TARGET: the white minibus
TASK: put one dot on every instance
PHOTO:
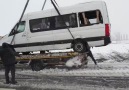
(46, 30)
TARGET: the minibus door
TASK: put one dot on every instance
(20, 38)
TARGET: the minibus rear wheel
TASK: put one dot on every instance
(79, 46)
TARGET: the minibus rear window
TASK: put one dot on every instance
(90, 18)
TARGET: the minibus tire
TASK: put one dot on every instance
(79, 46)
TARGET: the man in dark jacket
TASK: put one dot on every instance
(8, 53)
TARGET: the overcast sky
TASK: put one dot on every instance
(10, 11)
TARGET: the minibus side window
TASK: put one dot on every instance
(53, 23)
(41, 24)
(90, 18)
(68, 20)
(20, 28)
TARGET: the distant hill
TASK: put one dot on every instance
(0, 37)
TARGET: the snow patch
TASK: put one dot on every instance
(74, 62)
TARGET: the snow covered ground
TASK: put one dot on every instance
(113, 60)
(112, 53)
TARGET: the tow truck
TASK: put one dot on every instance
(39, 61)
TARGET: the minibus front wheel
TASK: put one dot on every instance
(79, 46)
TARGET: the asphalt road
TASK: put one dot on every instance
(27, 82)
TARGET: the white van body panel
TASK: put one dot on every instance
(28, 38)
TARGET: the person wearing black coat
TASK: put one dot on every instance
(7, 54)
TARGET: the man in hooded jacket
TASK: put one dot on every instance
(7, 54)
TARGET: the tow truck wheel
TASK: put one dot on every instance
(79, 46)
(37, 65)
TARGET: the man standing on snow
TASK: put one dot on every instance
(7, 54)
